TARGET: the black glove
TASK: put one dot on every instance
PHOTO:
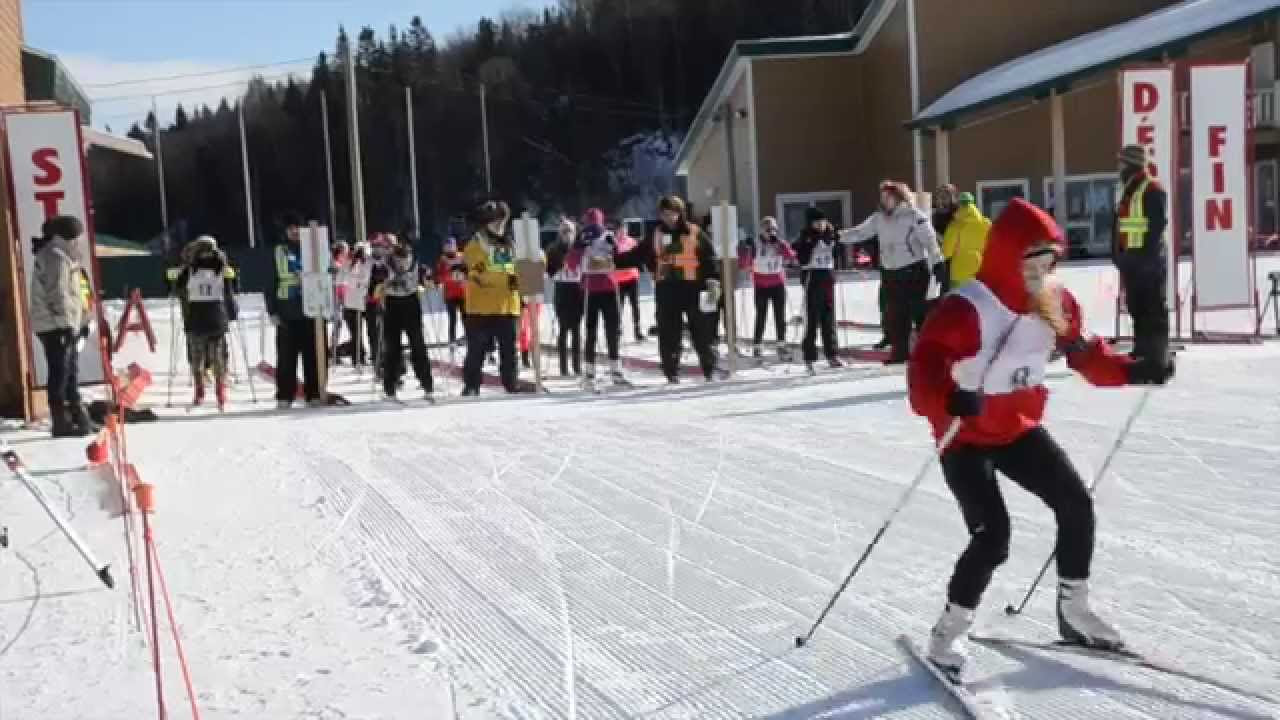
(1149, 372)
(964, 403)
(513, 282)
(943, 277)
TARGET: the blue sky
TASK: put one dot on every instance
(114, 41)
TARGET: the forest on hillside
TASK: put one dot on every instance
(587, 103)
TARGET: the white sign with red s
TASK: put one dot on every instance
(1219, 169)
(1148, 105)
(45, 165)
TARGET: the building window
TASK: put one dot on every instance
(1091, 212)
(1265, 204)
(838, 207)
(995, 195)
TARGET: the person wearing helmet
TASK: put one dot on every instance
(400, 296)
(767, 259)
(207, 289)
(493, 298)
(964, 241)
(980, 361)
(565, 268)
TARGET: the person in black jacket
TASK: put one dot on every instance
(684, 265)
(295, 332)
(379, 250)
(402, 315)
(206, 286)
(568, 296)
(1142, 218)
(815, 252)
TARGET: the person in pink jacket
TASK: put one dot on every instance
(767, 258)
(628, 280)
(594, 252)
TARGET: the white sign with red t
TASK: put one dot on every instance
(45, 167)
(1148, 115)
(1219, 169)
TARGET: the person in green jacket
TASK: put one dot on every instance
(964, 241)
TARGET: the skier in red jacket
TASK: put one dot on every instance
(981, 357)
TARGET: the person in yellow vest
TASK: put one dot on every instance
(964, 240)
(295, 332)
(492, 300)
(1141, 255)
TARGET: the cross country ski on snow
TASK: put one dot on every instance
(1125, 656)
(977, 703)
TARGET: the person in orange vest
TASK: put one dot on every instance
(1141, 256)
(684, 266)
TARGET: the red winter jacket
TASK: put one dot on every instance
(451, 272)
(1014, 394)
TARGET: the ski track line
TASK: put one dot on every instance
(715, 480)
(656, 660)
(31, 609)
(498, 629)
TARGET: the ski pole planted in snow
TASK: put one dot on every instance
(1097, 478)
(248, 369)
(15, 465)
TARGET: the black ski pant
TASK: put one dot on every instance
(296, 338)
(353, 319)
(777, 297)
(569, 301)
(906, 289)
(603, 304)
(373, 330)
(482, 332)
(1037, 463)
(63, 362)
(455, 310)
(404, 317)
(629, 292)
(677, 303)
(819, 313)
(1146, 297)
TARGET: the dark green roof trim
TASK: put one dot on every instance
(1157, 53)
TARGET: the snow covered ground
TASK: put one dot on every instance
(646, 554)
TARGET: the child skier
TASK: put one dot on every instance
(981, 358)
(597, 247)
(354, 279)
(379, 249)
(206, 287)
(767, 259)
(402, 314)
(628, 281)
(451, 271)
(564, 266)
(815, 251)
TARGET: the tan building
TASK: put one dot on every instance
(821, 120)
(13, 338)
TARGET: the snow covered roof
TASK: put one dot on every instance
(1056, 66)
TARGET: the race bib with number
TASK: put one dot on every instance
(768, 264)
(822, 258)
(204, 286)
(568, 274)
(459, 276)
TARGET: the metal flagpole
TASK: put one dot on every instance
(353, 139)
(164, 203)
(413, 160)
(484, 121)
(328, 160)
(248, 195)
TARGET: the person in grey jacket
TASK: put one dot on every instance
(60, 315)
(909, 256)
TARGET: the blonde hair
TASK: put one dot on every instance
(1047, 305)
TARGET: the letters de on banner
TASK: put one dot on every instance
(1219, 146)
(45, 168)
(1148, 118)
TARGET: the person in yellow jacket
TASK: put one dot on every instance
(964, 241)
(493, 298)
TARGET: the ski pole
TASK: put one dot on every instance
(941, 448)
(801, 640)
(248, 370)
(1097, 478)
(173, 353)
(15, 465)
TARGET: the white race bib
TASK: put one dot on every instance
(822, 258)
(568, 274)
(459, 276)
(768, 264)
(204, 286)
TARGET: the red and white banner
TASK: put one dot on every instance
(1220, 174)
(1148, 112)
(44, 163)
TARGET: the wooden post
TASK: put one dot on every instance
(942, 146)
(726, 224)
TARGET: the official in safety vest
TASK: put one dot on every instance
(493, 298)
(295, 332)
(1141, 255)
(684, 265)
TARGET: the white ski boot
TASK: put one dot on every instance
(947, 639)
(616, 375)
(589, 378)
(1079, 624)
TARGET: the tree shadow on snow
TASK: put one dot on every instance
(1041, 672)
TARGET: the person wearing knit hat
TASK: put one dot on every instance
(1141, 255)
(964, 241)
(977, 373)
(594, 252)
(59, 318)
(565, 268)
(815, 252)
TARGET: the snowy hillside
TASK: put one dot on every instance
(650, 553)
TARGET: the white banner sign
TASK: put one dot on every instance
(1220, 173)
(46, 171)
(1148, 108)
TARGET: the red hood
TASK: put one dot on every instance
(1020, 226)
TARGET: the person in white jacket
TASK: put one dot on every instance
(909, 256)
(60, 314)
(354, 276)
